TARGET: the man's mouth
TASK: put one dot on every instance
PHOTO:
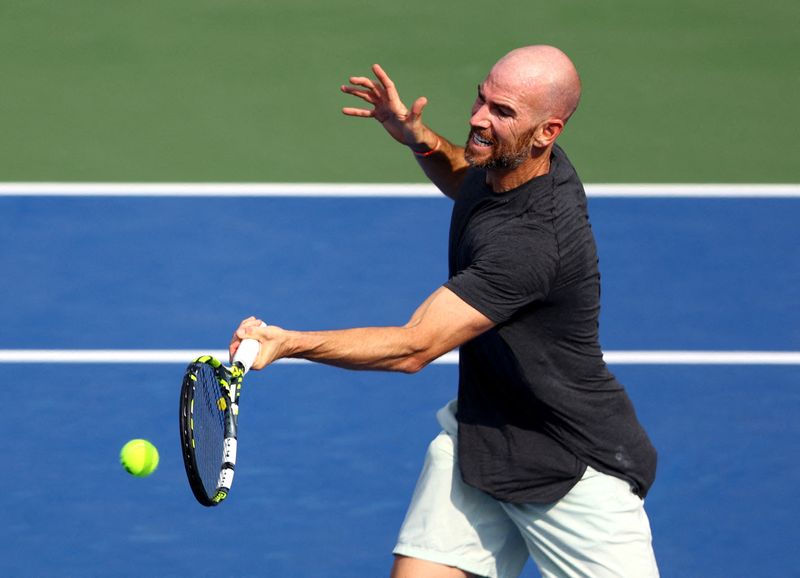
(481, 141)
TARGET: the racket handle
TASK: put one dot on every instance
(247, 352)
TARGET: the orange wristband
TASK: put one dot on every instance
(430, 152)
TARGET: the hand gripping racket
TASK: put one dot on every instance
(209, 415)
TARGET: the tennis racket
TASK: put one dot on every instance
(209, 415)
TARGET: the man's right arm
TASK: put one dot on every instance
(442, 323)
(442, 161)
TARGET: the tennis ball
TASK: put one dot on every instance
(139, 458)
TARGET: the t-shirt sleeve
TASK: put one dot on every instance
(511, 271)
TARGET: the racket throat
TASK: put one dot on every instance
(226, 470)
(224, 483)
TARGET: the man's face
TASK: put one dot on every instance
(501, 129)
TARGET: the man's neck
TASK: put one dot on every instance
(537, 165)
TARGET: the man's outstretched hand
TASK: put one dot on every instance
(404, 125)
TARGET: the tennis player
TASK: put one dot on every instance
(542, 454)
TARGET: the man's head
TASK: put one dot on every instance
(522, 107)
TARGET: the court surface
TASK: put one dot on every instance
(328, 458)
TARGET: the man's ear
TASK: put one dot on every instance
(547, 132)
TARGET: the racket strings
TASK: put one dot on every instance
(208, 428)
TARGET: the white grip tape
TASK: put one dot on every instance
(247, 352)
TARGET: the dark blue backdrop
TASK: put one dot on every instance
(328, 457)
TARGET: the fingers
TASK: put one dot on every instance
(417, 107)
(364, 88)
(367, 89)
(248, 329)
(384, 88)
(250, 322)
(370, 96)
(402, 124)
(362, 94)
(272, 340)
(387, 83)
(241, 332)
(358, 112)
(364, 82)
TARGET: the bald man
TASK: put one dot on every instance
(542, 454)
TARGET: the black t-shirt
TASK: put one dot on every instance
(536, 402)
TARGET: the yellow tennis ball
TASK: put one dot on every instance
(139, 458)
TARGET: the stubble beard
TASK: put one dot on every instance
(502, 156)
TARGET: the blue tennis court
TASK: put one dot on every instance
(328, 458)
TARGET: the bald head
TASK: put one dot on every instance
(544, 75)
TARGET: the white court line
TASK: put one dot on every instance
(184, 356)
(368, 190)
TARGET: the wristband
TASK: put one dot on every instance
(430, 152)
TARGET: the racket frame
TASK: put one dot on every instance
(229, 380)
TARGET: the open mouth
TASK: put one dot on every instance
(481, 141)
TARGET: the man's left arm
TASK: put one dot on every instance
(442, 323)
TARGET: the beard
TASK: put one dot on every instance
(503, 156)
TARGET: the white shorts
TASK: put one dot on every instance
(598, 530)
